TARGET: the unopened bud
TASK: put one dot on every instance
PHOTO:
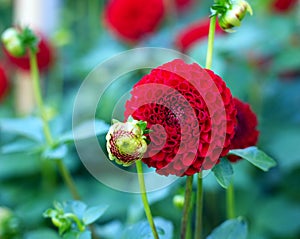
(126, 142)
(12, 42)
(234, 15)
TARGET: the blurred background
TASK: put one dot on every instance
(260, 62)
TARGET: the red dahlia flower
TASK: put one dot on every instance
(194, 33)
(246, 134)
(3, 83)
(132, 20)
(44, 57)
(191, 114)
(281, 6)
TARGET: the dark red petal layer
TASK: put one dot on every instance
(191, 114)
(246, 134)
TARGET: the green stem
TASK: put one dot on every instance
(230, 201)
(199, 207)
(211, 37)
(139, 168)
(186, 206)
(38, 96)
(199, 202)
(68, 179)
(49, 140)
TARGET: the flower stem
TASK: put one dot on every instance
(49, 140)
(139, 168)
(199, 201)
(230, 201)
(186, 206)
(199, 207)
(211, 37)
(38, 96)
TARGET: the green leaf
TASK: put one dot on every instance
(28, 127)
(41, 233)
(55, 153)
(230, 229)
(78, 235)
(85, 130)
(22, 145)
(223, 172)
(85, 235)
(142, 230)
(93, 213)
(255, 156)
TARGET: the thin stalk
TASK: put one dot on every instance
(139, 168)
(49, 140)
(186, 206)
(199, 202)
(230, 201)
(211, 38)
(38, 96)
(199, 207)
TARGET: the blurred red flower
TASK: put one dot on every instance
(185, 126)
(194, 33)
(132, 20)
(183, 4)
(3, 83)
(246, 134)
(281, 6)
(44, 57)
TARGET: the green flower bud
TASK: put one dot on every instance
(126, 142)
(233, 16)
(13, 43)
(178, 201)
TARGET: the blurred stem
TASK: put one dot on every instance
(186, 206)
(230, 201)
(211, 37)
(49, 140)
(199, 207)
(139, 168)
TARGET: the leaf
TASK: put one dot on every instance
(93, 213)
(28, 127)
(230, 229)
(55, 153)
(76, 207)
(223, 172)
(85, 130)
(255, 156)
(85, 235)
(19, 146)
(142, 230)
(77, 235)
(41, 233)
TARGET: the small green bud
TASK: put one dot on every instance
(13, 43)
(126, 142)
(233, 16)
(9, 224)
(178, 201)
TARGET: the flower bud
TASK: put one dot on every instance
(234, 15)
(12, 42)
(178, 201)
(126, 142)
